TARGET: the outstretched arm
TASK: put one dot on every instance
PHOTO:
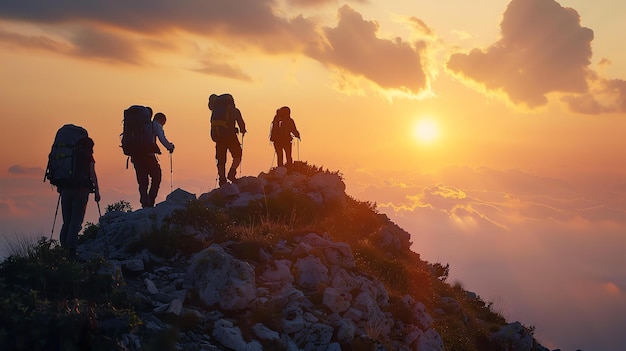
(294, 130)
(240, 122)
(160, 133)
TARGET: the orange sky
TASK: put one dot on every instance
(521, 187)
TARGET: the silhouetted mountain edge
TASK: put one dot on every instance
(282, 261)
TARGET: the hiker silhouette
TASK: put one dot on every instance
(226, 123)
(147, 168)
(71, 168)
(282, 132)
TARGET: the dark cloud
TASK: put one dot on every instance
(111, 33)
(108, 32)
(148, 16)
(251, 20)
(26, 171)
(106, 46)
(543, 49)
(353, 46)
(312, 2)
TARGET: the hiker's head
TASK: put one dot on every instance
(283, 111)
(160, 117)
(212, 98)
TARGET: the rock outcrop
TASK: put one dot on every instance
(299, 293)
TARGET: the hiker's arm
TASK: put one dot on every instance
(240, 122)
(94, 180)
(160, 133)
(294, 130)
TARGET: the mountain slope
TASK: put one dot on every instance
(282, 261)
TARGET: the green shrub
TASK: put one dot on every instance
(89, 233)
(198, 216)
(121, 206)
(48, 302)
(162, 242)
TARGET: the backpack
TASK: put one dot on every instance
(66, 167)
(282, 126)
(278, 132)
(222, 115)
(137, 133)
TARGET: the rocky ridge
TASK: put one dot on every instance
(302, 292)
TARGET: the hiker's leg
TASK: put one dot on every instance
(66, 214)
(236, 152)
(141, 172)
(154, 169)
(220, 156)
(288, 154)
(279, 154)
(78, 208)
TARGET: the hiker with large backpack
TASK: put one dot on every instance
(139, 143)
(71, 168)
(225, 118)
(282, 132)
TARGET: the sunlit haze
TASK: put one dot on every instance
(426, 131)
(492, 131)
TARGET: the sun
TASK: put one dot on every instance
(426, 131)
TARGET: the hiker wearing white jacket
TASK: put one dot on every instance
(147, 166)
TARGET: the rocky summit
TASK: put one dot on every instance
(282, 261)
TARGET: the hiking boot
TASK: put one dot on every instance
(231, 175)
(222, 181)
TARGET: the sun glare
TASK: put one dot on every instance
(426, 131)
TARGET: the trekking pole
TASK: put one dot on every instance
(171, 175)
(55, 216)
(106, 239)
(298, 147)
(241, 163)
(216, 176)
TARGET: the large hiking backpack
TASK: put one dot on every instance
(222, 114)
(281, 128)
(137, 133)
(64, 168)
(277, 130)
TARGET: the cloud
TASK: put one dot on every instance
(26, 171)
(16, 208)
(353, 46)
(120, 34)
(223, 69)
(148, 16)
(604, 96)
(38, 42)
(490, 200)
(543, 50)
(421, 26)
(107, 46)
(107, 32)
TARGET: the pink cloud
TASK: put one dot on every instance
(543, 49)
(354, 46)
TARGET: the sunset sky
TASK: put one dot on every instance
(493, 131)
